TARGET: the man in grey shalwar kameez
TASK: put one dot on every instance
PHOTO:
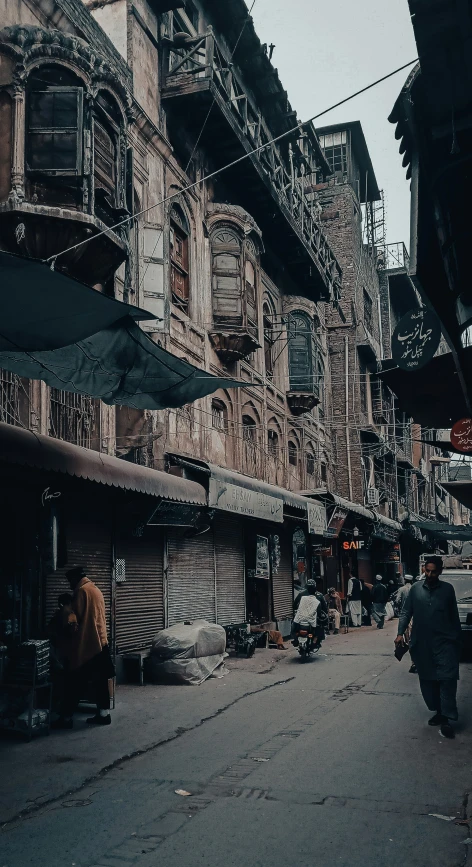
(435, 644)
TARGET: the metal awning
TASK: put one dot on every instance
(44, 310)
(388, 522)
(462, 491)
(19, 446)
(333, 499)
(447, 531)
(432, 396)
(121, 366)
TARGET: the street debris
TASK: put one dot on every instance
(183, 793)
(439, 816)
(257, 759)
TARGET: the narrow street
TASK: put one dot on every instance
(329, 762)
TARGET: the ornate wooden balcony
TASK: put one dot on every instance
(197, 75)
(231, 346)
(301, 402)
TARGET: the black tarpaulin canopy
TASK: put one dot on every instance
(447, 531)
(431, 396)
(43, 309)
(462, 491)
(119, 365)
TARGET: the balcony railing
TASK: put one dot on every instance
(202, 66)
(396, 257)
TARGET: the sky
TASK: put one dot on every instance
(325, 51)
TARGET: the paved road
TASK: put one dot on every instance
(332, 762)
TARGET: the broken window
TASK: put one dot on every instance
(310, 464)
(219, 415)
(273, 443)
(368, 310)
(106, 132)
(292, 453)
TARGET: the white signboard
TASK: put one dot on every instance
(316, 514)
(243, 501)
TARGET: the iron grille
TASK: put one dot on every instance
(73, 417)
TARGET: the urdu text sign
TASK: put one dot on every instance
(316, 513)
(244, 501)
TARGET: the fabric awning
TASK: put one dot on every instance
(431, 396)
(44, 309)
(462, 491)
(19, 446)
(447, 531)
(120, 365)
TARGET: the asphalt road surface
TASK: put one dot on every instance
(332, 763)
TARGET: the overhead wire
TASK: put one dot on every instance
(299, 126)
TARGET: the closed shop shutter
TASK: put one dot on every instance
(190, 578)
(282, 582)
(88, 541)
(229, 558)
(139, 604)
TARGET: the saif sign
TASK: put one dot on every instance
(316, 514)
(244, 501)
(416, 339)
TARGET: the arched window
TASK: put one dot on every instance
(268, 313)
(179, 260)
(272, 442)
(219, 415)
(227, 294)
(320, 383)
(306, 369)
(310, 463)
(54, 122)
(249, 429)
(292, 453)
(106, 136)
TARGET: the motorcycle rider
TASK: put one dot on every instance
(322, 613)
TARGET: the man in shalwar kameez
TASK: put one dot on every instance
(435, 643)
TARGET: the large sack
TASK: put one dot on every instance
(306, 613)
(187, 653)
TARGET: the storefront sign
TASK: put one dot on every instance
(382, 531)
(461, 435)
(243, 501)
(262, 557)
(316, 514)
(336, 522)
(416, 339)
(355, 545)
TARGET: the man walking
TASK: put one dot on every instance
(354, 595)
(379, 598)
(335, 608)
(435, 642)
(90, 665)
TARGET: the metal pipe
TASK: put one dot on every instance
(348, 437)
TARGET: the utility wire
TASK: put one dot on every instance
(299, 126)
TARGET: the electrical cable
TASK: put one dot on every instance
(299, 126)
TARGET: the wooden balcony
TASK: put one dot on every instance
(275, 184)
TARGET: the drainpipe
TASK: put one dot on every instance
(348, 436)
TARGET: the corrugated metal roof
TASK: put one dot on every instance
(19, 446)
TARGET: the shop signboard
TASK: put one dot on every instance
(336, 522)
(245, 501)
(262, 557)
(382, 531)
(416, 339)
(316, 513)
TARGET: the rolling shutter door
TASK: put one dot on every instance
(139, 605)
(282, 582)
(229, 557)
(190, 578)
(88, 539)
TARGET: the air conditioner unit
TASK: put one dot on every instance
(373, 496)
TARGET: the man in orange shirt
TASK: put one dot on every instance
(89, 661)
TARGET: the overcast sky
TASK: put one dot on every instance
(326, 50)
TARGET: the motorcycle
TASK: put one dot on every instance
(240, 639)
(306, 642)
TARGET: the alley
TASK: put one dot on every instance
(330, 761)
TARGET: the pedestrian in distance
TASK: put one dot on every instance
(335, 608)
(401, 599)
(379, 599)
(435, 644)
(366, 599)
(89, 662)
(354, 595)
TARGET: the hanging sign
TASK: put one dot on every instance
(336, 522)
(416, 339)
(262, 557)
(461, 435)
(316, 514)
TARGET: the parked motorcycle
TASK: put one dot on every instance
(240, 639)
